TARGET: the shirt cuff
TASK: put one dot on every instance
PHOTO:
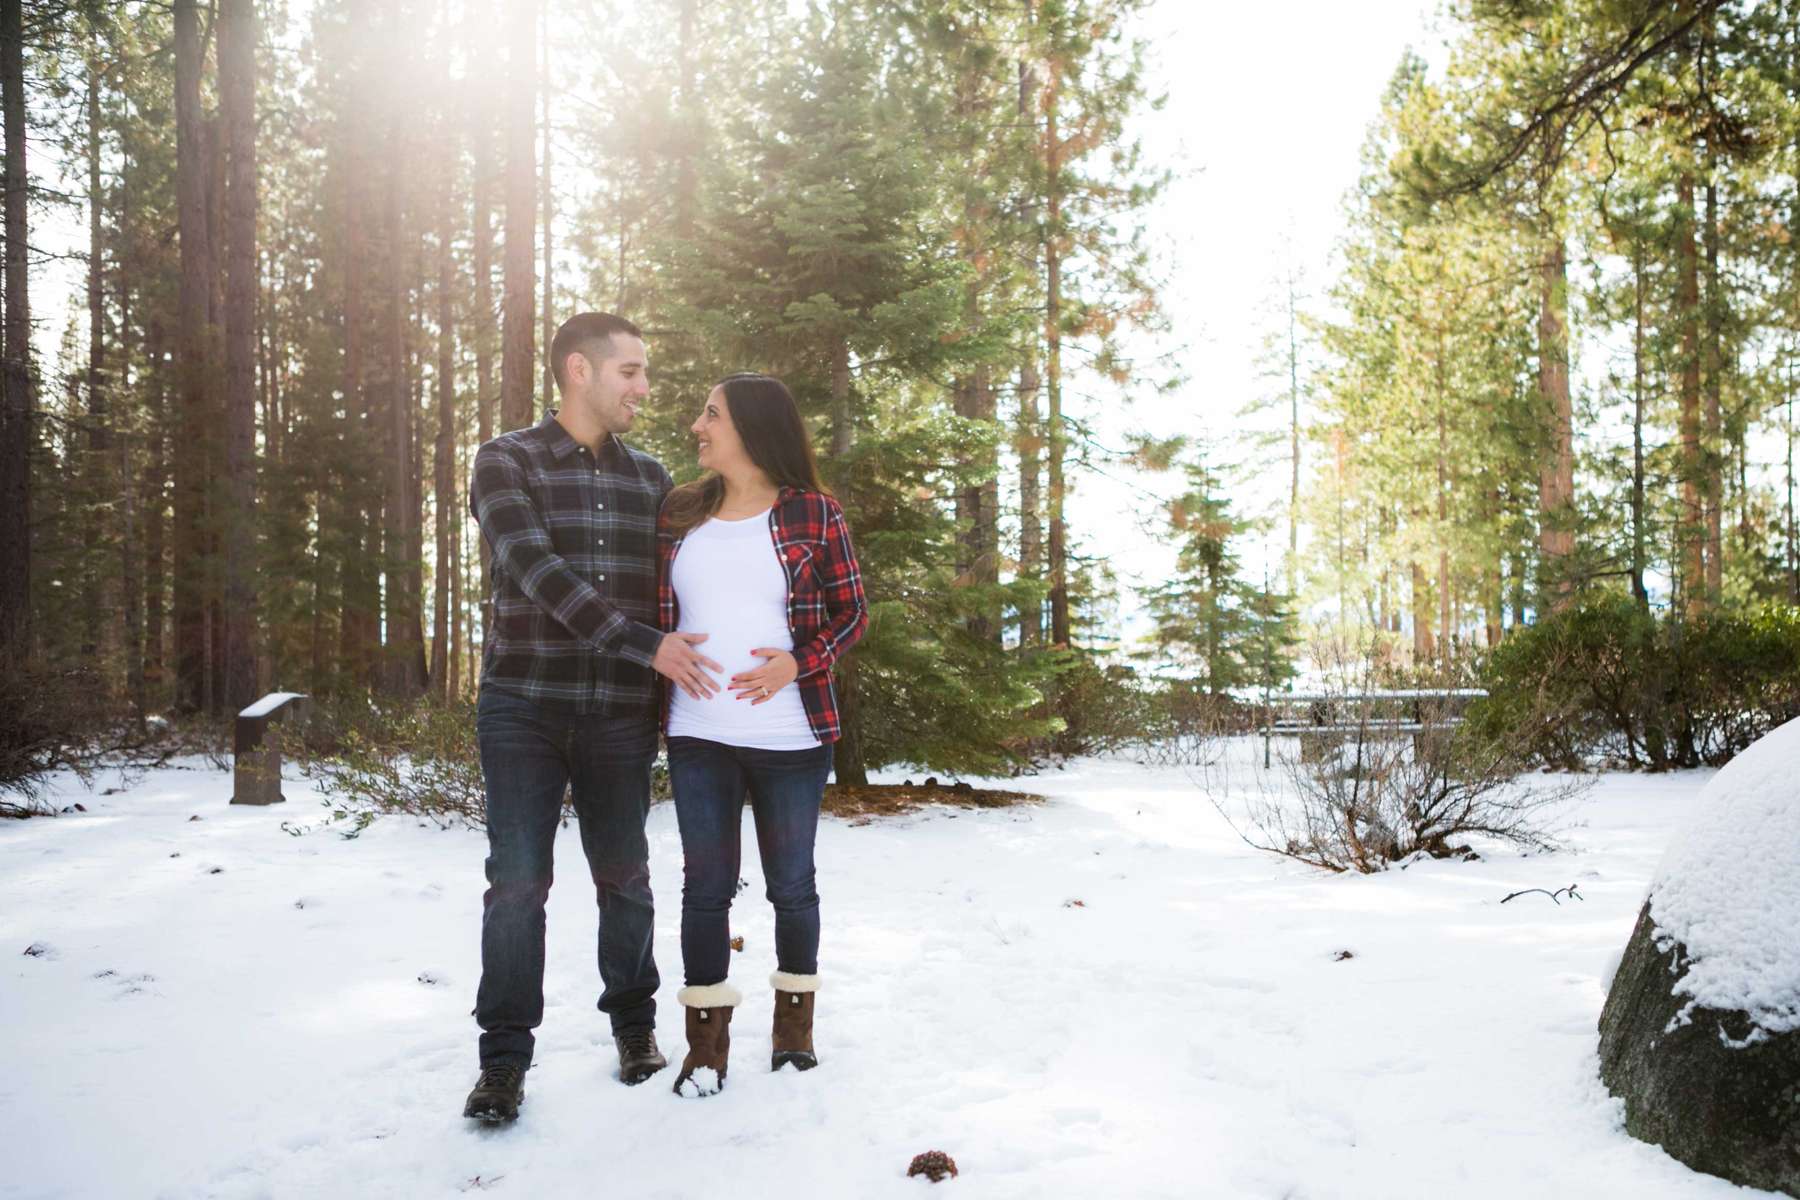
(808, 661)
(639, 643)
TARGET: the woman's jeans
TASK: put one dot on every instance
(529, 754)
(785, 788)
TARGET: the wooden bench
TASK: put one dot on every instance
(1323, 721)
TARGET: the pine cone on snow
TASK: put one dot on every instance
(933, 1164)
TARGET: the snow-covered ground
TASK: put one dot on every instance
(217, 1008)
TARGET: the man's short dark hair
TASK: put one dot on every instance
(590, 334)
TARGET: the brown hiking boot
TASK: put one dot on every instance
(639, 1058)
(709, 1038)
(497, 1095)
(793, 1021)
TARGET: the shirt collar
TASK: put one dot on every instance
(562, 445)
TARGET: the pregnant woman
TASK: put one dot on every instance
(757, 555)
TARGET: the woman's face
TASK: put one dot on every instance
(720, 447)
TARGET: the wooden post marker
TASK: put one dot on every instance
(256, 757)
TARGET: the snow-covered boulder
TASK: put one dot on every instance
(1700, 1036)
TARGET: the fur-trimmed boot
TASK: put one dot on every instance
(793, 1021)
(709, 1037)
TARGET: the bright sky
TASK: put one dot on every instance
(1267, 109)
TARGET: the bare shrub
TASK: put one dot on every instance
(1383, 774)
(418, 760)
(52, 719)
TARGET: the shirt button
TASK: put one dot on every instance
(599, 541)
(602, 577)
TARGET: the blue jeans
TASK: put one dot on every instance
(529, 755)
(785, 788)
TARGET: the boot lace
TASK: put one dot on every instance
(499, 1078)
(639, 1043)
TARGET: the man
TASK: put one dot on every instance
(568, 696)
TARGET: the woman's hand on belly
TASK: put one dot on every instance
(757, 685)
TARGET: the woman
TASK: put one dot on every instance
(755, 555)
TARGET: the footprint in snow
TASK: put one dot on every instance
(43, 950)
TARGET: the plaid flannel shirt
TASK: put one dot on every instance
(826, 611)
(573, 536)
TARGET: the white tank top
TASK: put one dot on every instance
(729, 585)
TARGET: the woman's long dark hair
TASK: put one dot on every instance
(768, 423)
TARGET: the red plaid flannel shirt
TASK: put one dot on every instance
(826, 611)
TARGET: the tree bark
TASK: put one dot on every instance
(155, 511)
(405, 651)
(1028, 443)
(444, 452)
(482, 131)
(1638, 590)
(848, 763)
(549, 213)
(1057, 440)
(191, 560)
(97, 469)
(1423, 646)
(843, 424)
(1028, 440)
(518, 370)
(1712, 375)
(18, 404)
(1690, 525)
(1556, 472)
(237, 108)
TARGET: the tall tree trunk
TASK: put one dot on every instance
(1446, 626)
(1556, 471)
(549, 214)
(486, 397)
(444, 452)
(1058, 439)
(686, 100)
(191, 565)
(237, 109)
(97, 469)
(848, 762)
(1690, 526)
(18, 405)
(155, 511)
(1712, 377)
(518, 370)
(1028, 443)
(357, 508)
(405, 652)
(1638, 590)
(453, 686)
(1793, 527)
(843, 422)
(1423, 646)
(1495, 585)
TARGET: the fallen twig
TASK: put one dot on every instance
(1553, 895)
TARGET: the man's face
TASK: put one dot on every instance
(613, 389)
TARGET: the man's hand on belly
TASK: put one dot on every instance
(677, 659)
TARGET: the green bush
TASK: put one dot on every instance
(418, 759)
(1606, 678)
